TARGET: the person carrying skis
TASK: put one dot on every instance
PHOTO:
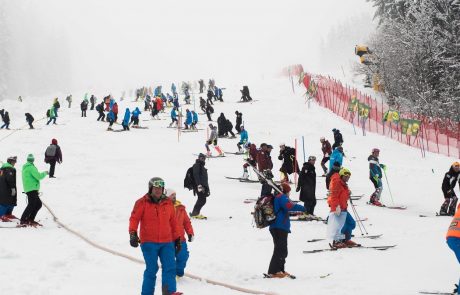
(265, 165)
(188, 118)
(239, 121)
(100, 110)
(29, 120)
(279, 231)
(6, 121)
(135, 117)
(209, 111)
(290, 165)
(8, 191)
(31, 184)
(84, 107)
(336, 156)
(52, 115)
(184, 227)
(194, 120)
(338, 138)
(201, 187)
(327, 151)
(451, 178)
(453, 240)
(213, 140)
(53, 154)
(125, 122)
(245, 94)
(159, 237)
(340, 222)
(307, 185)
(375, 175)
(243, 139)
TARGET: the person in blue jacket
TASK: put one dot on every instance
(375, 175)
(336, 156)
(135, 117)
(280, 229)
(218, 94)
(243, 139)
(188, 119)
(126, 118)
(173, 117)
(111, 119)
(194, 119)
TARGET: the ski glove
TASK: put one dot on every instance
(200, 188)
(376, 178)
(13, 192)
(191, 238)
(337, 211)
(134, 239)
(384, 167)
(177, 245)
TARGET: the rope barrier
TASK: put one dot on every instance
(133, 259)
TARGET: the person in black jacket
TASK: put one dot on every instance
(201, 188)
(210, 95)
(6, 121)
(100, 110)
(53, 154)
(239, 121)
(451, 178)
(307, 185)
(203, 104)
(29, 120)
(209, 111)
(229, 128)
(245, 94)
(221, 122)
(338, 138)
(8, 192)
(290, 165)
(92, 100)
(84, 107)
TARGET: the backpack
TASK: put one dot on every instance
(51, 151)
(211, 109)
(48, 113)
(264, 214)
(189, 181)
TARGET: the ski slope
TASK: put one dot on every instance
(104, 173)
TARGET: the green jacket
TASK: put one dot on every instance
(31, 177)
(52, 112)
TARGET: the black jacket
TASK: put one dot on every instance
(6, 118)
(84, 105)
(288, 157)
(448, 183)
(338, 137)
(29, 117)
(200, 175)
(307, 182)
(239, 119)
(7, 183)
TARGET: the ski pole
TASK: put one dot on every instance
(358, 218)
(388, 184)
(303, 145)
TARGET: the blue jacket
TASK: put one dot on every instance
(374, 167)
(136, 112)
(336, 156)
(282, 205)
(189, 119)
(243, 136)
(157, 91)
(195, 117)
(173, 114)
(173, 88)
(126, 117)
(111, 116)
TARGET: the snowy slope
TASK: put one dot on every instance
(104, 173)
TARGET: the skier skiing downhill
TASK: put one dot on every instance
(327, 151)
(159, 237)
(213, 140)
(243, 139)
(451, 178)
(340, 222)
(280, 230)
(290, 165)
(184, 227)
(453, 240)
(375, 175)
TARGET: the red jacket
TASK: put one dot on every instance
(158, 220)
(159, 104)
(183, 221)
(264, 161)
(339, 193)
(115, 108)
(326, 148)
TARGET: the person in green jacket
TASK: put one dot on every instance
(31, 183)
(52, 115)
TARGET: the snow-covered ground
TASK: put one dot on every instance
(103, 173)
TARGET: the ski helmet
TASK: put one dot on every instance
(156, 182)
(456, 165)
(344, 172)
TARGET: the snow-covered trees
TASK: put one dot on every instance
(416, 53)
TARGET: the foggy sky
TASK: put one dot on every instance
(68, 45)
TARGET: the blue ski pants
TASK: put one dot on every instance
(6, 209)
(348, 227)
(181, 259)
(166, 253)
(454, 245)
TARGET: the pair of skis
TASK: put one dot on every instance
(332, 248)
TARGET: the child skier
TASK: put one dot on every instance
(213, 140)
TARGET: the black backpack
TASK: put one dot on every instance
(48, 113)
(189, 181)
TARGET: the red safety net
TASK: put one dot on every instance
(435, 134)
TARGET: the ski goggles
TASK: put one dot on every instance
(158, 183)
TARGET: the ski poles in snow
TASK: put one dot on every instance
(360, 223)
(388, 184)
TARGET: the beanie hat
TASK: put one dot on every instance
(30, 158)
(285, 187)
(54, 141)
(169, 192)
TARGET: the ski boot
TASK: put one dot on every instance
(245, 175)
(443, 211)
(338, 245)
(351, 244)
(4, 218)
(221, 153)
(452, 207)
(208, 153)
(375, 201)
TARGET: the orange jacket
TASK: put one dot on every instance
(157, 220)
(183, 221)
(338, 193)
(454, 227)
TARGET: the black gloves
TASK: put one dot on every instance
(134, 239)
(177, 245)
(190, 238)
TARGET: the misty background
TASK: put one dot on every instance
(55, 46)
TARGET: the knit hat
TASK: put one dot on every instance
(285, 187)
(169, 192)
(54, 141)
(30, 158)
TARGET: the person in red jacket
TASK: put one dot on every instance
(265, 165)
(340, 223)
(327, 151)
(185, 227)
(159, 237)
(115, 110)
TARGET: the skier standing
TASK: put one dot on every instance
(265, 165)
(239, 121)
(53, 154)
(111, 119)
(31, 184)
(243, 139)
(375, 175)
(92, 100)
(290, 165)
(125, 122)
(280, 230)
(221, 124)
(336, 156)
(201, 187)
(135, 117)
(335, 169)
(184, 227)
(159, 237)
(56, 106)
(69, 100)
(209, 96)
(209, 111)
(147, 101)
(251, 160)
(202, 86)
(213, 140)
(84, 107)
(8, 191)
(203, 104)
(327, 151)
(245, 96)
(451, 178)
(173, 117)
(29, 120)
(100, 110)
(6, 121)
(338, 138)
(194, 120)
(453, 240)
(188, 119)
(228, 126)
(307, 185)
